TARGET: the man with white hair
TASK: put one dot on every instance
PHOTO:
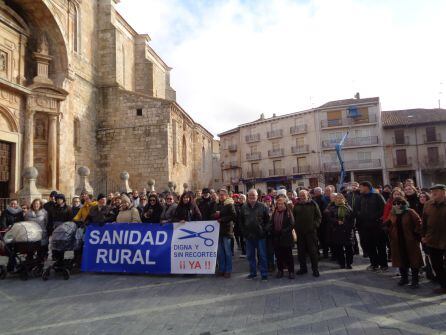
(307, 217)
(254, 222)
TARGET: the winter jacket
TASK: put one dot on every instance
(414, 203)
(206, 207)
(340, 234)
(59, 214)
(354, 201)
(226, 218)
(130, 215)
(405, 242)
(82, 215)
(10, 216)
(168, 212)
(40, 217)
(189, 212)
(152, 214)
(284, 236)
(100, 215)
(434, 224)
(254, 221)
(307, 217)
(370, 211)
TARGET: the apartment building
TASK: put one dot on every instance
(362, 151)
(415, 145)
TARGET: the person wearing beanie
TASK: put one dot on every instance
(405, 235)
(59, 214)
(51, 202)
(206, 205)
(370, 226)
(127, 212)
(100, 213)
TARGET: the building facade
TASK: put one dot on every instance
(79, 87)
(415, 145)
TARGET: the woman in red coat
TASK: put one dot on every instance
(405, 237)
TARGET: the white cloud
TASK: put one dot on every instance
(236, 59)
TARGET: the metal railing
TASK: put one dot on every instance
(405, 140)
(252, 138)
(371, 118)
(353, 165)
(301, 169)
(254, 156)
(232, 147)
(351, 142)
(432, 139)
(276, 153)
(300, 149)
(300, 129)
(277, 172)
(399, 163)
(254, 174)
(274, 134)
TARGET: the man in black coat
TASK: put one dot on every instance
(206, 205)
(369, 221)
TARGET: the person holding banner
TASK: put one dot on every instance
(169, 209)
(187, 210)
(254, 219)
(127, 212)
(225, 215)
(152, 211)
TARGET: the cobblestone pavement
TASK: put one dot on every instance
(338, 302)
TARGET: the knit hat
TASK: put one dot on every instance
(60, 196)
(267, 198)
(53, 194)
(205, 190)
(235, 196)
(282, 191)
(101, 196)
(367, 184)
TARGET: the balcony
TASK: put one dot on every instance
(353, 165)
(254, 174)
(432, 139)
(274, 134)
(231, 165)
(301, 169)
(430, 163)
(232, 147)
(346, 122)
(351, 142)
(404, 140)
(277, 172)
(276, 153)
(300, 149)
(252, 138)
(301, 129)
(254, 156)
(402, 163)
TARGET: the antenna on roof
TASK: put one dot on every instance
(357, 96)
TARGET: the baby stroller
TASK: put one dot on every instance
(22, 245)
(66, 237)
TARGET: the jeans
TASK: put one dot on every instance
(224, 254)
(251, 247)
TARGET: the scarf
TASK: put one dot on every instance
(342, 211)
(14, 211)
(278, 220)
(399, 209)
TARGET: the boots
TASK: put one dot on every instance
(414, 281)
(404, 277)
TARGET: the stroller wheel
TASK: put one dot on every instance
(46, 274)
(23, 275)
(2, 272)
(66, 274)
(37, 271)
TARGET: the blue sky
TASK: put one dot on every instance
(235, 59)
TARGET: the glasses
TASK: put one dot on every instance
(398, 203)
(152, 200)
(169, 198)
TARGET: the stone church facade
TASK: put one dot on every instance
(79, 87)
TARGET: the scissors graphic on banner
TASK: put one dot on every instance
(192, 234)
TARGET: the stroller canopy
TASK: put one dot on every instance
(23, 232)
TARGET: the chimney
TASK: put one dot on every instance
(357, 96)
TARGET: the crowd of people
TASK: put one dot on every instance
(401, 224)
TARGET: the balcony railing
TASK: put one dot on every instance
(351, 142)
(276, 153)
(434, 162)
(254, 174)
(348, 121)
(405, 140)
(432, 139)
(402, 163)
(253, 156)
(231, 165)
(277, 172)
(353, 165)
(296, 130)
(301, 169)
(252, 138)
(274, 134)
(232, 147)
(300, 149)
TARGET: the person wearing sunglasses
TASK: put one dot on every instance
(152, 211)
(405, 237)
(169, 208)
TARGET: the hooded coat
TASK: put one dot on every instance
(340, 234)
(40, 217)
(227, 217)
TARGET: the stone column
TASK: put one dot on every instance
(52, 151)
(28, 155)
(84, 184)
(125, 182)
(151, 184)
(29, 191)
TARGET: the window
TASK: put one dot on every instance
(432, 155)
(334, 118)
(399, 136)
(253, 148)
(299, 121)
(274, 126)
(184, 151)
(401, 157)
(277, 166)
(431, 135)
(301, 162)
(139, 112)
(203, 159)
(174, 141)
(77, 134)
(364, 156)
(300, 141)
(74, 26)
(363, 116)
(276, 145)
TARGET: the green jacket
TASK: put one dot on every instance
(307, 217)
